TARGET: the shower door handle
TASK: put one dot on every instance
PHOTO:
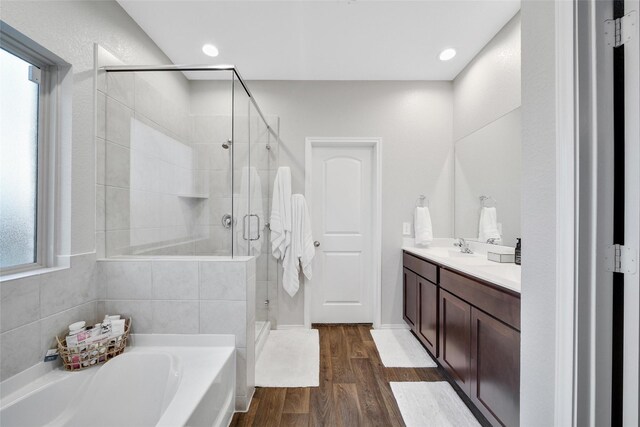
(244, 227)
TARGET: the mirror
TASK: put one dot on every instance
(488, 163)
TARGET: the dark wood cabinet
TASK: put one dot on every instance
(455, 339)
(472, 328)
(428, 315)
(410, 299)
(495, 369)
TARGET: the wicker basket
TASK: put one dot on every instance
(87, 355)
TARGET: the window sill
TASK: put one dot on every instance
(30, 273)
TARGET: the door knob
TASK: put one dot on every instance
(316, 243)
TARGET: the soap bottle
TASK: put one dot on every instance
(519, 252)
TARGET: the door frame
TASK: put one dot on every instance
(351, 142)
(584, 285)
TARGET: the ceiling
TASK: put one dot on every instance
(324, 39)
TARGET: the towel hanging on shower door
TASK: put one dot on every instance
(301, 252)
(280, 221)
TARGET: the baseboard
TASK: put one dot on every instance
(382, 326)
(262, 339)
(285, 327)
(393, 326)
(243, 402)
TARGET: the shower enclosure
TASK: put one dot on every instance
(189, 161)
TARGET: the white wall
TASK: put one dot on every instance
(415, 121)
(489, 86)
(487, 134)
(539, 144)
(35, 309)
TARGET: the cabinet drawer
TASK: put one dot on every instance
(421, 267)
(501, 305)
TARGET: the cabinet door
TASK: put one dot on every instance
(495, 369)
(455, 338)
(428, 318)
(410, 298)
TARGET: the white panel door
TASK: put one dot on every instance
(342, 212)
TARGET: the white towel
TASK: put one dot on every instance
(422, 226)
(488, 225)
(280, 221)
(301, 251)
(250, 202)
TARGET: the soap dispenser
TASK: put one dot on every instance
(519, 251)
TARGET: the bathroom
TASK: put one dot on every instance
(158, 166)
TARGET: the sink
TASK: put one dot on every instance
(447, 253)
(457, 255)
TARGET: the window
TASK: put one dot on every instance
(35, 156)
(20, 118)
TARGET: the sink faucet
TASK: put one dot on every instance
(463, 245)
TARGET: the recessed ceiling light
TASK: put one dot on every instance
(447, 54)
(210, 50)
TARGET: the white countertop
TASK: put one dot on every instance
(477, 265)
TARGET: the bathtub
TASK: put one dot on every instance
(160, 380)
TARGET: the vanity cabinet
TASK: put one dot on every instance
(472, 328)
(455, 339)
(495, 369)
(428, 315)
(420, 309)
(410, 298)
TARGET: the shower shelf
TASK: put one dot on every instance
(194, 196)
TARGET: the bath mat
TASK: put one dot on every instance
(398, 348)
(290, 358)
(425, 404)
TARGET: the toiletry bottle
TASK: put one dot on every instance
(519, 252)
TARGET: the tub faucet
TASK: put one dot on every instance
(463, 245)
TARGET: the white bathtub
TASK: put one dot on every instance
(160, 380)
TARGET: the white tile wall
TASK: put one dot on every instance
(177, 280)
(217, 317)
(20, 349)
(118, 122)
(140, 311)
(20, 302)
(100, 160)
(128, 280)
(186, 296)
(175, 317)
(223, 281)
(67, 288)
(117, 208)
(35, 309)
(117, 165)
(58, 324)
(148, 151)
(120, 86)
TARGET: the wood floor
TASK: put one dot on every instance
(354, 387)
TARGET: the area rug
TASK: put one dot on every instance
(290, 358)
(431, 404)
(398, 348)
